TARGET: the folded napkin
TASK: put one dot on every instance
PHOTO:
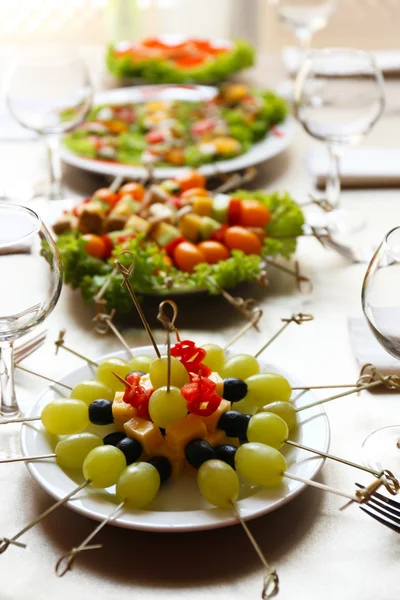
(360, 167)
(367, 349)
(387, 60)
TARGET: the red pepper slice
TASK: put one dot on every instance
(200, 396)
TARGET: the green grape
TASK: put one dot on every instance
(215, 357)
(90, 390)
(138, 484)
(285, 410)
(65, 416)
(140, 363)
(218, 483)
(267, 428)
(166, 407)
(240, 365)
(71, 451)
(260, 464)
(267, 387)
(159, 371)
(245, 407)
(105, 375)
(103, 466)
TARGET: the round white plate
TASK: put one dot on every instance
(274, 143)
(179, 505)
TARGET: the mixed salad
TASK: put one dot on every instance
(178, 132)
(183, 237)
(169, 59)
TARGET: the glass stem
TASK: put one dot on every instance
(8, 401)
(333, 179)
(55, 170)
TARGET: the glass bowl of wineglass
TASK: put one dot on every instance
(48, 91)
(339, 97)
(30, 285)
(381, 305)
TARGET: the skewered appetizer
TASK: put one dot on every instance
(179, 232)
(178, 59)
(178, 132)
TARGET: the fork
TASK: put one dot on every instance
(382, 509)
(29, 346)
(353, 254)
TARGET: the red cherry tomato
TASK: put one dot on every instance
(234, 211)
(192, 192)
(136, 190)
(108, 246)
(239, 238)
(213, 251)
(254, 214)
(187, 256)
(106, 195)
(191, 179)
(202, 127)
(155, 137)
(186, 62)
(94, 245)
(219, 235)
(169, 248)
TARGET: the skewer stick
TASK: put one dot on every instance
(296, 273)
(68, 387)
(103, 319)
(64, 564)
(169, 325)
(322, 486)
(27, 458)
(257, 314)
(244, 306)
(298, 318)
(126, 273)
(6, 542)
(359, 388)
(60, 344)
(122, 380)
(18, 420)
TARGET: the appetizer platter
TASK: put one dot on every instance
(173, 127)
(184, 237)
(179, 59)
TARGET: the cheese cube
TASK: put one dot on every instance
(175, 456)
(181, 432)
(212, 421)
(122, 412)
(216, 378)
(145, 432)
(215, 438)
(202, 205)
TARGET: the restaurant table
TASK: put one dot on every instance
(317, 550)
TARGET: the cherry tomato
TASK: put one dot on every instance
(234, 211)
(218, 236)
(186, 62)
(239, 238)
(94, 245)
(187, 256)
(136, 190)
(169, 248)
(254, 214)
(155, 137)
(108, 246)
(192, 192)
(191, 179)
(213, 251)
(203, 126)
(167, 260)
(106, 195)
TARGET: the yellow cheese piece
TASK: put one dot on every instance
(190, 226)
(146, 383)
(145, 432)
(202, 205)
(184, 430)
(216, 378)
(137, 224)
(175, 456)
(122, 412)
(211, 422)
(215, 438)
(232, 441)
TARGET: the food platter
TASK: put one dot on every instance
(179, 506)
(271, 145)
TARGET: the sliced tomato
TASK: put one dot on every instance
(219, 235)
(108, 246)
(234, 211)
(186, 62)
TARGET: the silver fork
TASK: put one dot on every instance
(355, 255)
(382, 509)
(29, 346)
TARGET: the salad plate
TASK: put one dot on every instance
(178, 506)
(171, 127)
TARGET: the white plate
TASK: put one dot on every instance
(271, 145)
(178, 506)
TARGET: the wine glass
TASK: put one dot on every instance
(305, 17)
(30, 284)
(48, 91)
(381, 306)
(339, 96)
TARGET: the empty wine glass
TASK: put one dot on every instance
(30, 284)
(339, 96)
(48, 91)
(381, 306)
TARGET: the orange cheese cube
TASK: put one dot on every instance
(122, 412)
(145, 432)
(215, 438)
(211, 422)
(184, 430)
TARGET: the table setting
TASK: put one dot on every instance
(199, 374)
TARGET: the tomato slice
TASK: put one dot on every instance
(234, 211)
(186, 62)
(219, 235)
(108, 246)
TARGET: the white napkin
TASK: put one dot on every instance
(387, 60)
(361, 166)
(367, 349)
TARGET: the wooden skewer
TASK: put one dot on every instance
(298, 318)
(60, 344)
